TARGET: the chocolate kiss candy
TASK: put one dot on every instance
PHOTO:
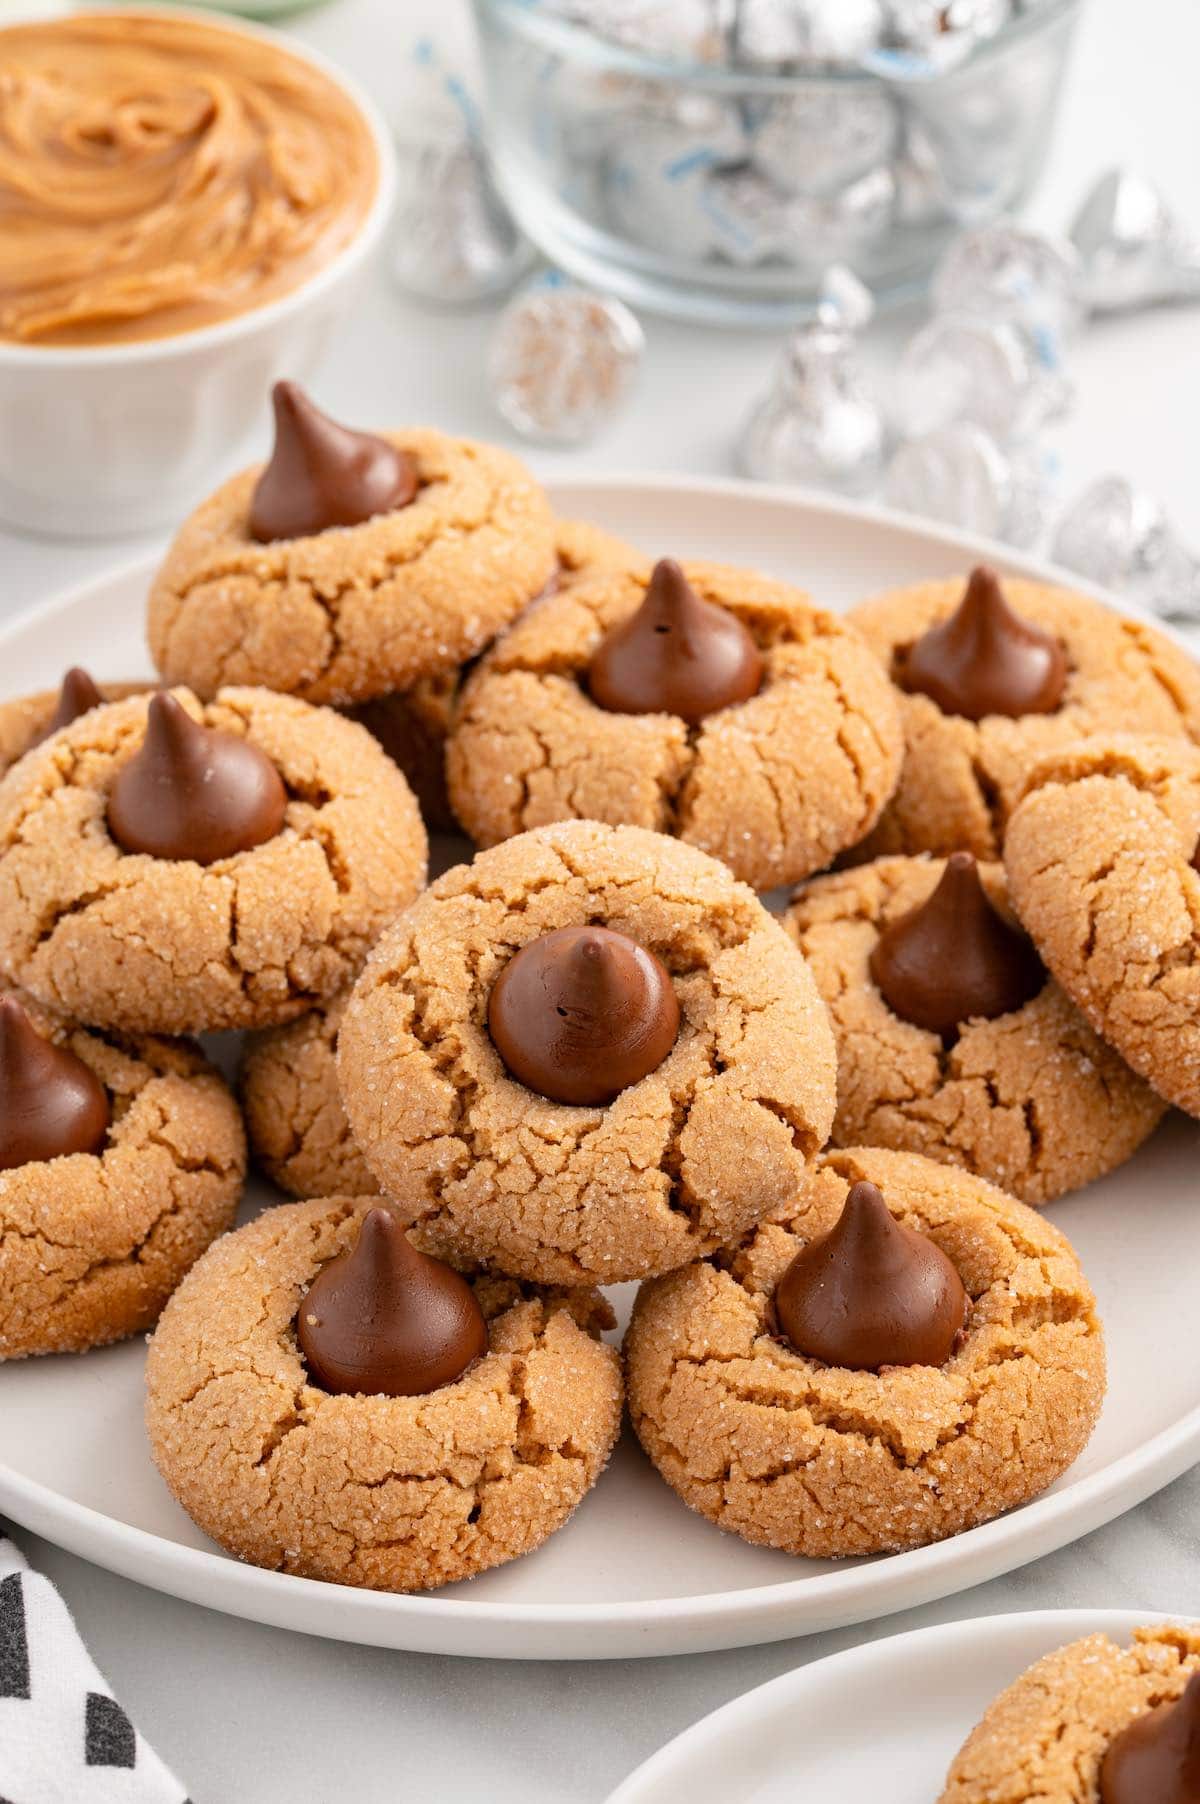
(872, 1293)
(985, 659)
(51, 1104)
(676, 655)
(78, 696)
(582, 1013)
(954, 957)
(1156, 1760)
(385, 1320)
(191, 792)
(322, 474)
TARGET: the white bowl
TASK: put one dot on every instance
(107, 440)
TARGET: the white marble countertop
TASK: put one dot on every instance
(263, 1717)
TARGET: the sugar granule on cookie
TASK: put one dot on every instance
(1091, 1723)
(995, 674)
(773, 1441)
(697, 700)
(120, 1160)
(499, 1410)
(166, 867)
(726, 1062)
(953, 1040)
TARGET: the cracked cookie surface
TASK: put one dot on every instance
(156, 945)
(25, 719)
(394, 1493)
(354, 612)
(680, 1162)
(1046, 1736)
(775, 786)
(295, 1120)
(413, 726)
(820, 1461)
(92, 1245)
(962, 778)
(1099, 856)
(1033, 1100)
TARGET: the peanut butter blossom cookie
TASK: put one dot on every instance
(324, 1398)
(413, 727)
(120, 1160)
(588, 1056)
(701, 701)
(1092, 1723)
(993, 676)
(293, 1107)
(1101, 861)
(953, 1040)
(900, 1354)
(350, 565)
(170, 868)
(28, 720)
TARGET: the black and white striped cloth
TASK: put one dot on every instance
(64, 1739)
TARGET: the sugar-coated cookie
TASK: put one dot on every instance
(92, 1243)
(348, 612)
(695, 1140)
(295, 1120)
(399, 1493)
(772, 754)
(413, 726)
(962, 776)
(1101, 866)
(1047, 1735)
(1031, 1099)
(331, 846)
(821, 1460)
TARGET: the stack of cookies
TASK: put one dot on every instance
(592, 1054)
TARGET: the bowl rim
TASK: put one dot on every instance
(524, 18)
(26, 357)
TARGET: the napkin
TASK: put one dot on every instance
(64, 1739)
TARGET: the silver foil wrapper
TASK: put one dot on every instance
(454, 241)
(1132, 249)
(1120, 538)
(563, 360)
(962, 477)
(1007, 272)
(982, 372)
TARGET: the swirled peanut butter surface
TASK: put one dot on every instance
(161, 174)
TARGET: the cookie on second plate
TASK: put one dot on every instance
(413, 726)
(295, 1120)
(120, 1161)
(701, 701)
(994, 674)
(587, 1056)
(349, 565)
(28, 719)
(953, 1363)
(170, 868)
(953, 1040)
(307, 1429)
(1101, 861)
(1081, 1724)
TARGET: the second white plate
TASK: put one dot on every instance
(880, 1721)
(634, 1573)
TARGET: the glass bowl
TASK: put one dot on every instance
(720, 194)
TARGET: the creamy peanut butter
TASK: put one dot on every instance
(160, 174)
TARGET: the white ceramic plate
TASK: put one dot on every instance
(634, 1572)
(880, 1721)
